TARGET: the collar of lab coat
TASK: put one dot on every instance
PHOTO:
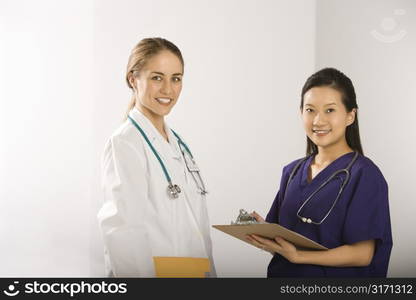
(157, 140)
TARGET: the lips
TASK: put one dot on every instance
(163, 100)
(321, 132)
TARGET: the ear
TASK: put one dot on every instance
(351, 116)
(131, 80)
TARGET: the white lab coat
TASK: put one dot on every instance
(138, 219)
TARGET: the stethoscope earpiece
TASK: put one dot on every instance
(306, 220)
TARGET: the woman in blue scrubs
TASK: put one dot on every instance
(349, 212)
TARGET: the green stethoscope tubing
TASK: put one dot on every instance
(172, 188)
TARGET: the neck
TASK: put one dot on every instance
(156, 120)
(327, 155)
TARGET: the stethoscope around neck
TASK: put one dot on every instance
(173, 189)
(346, 170)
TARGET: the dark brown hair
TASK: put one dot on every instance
(337, 80)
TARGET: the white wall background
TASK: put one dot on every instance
(46, 106)
(62, 93)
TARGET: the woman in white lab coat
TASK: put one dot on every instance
(154, 204)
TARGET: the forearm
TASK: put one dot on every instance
(355, 255)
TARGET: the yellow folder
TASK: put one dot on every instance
(181, 267)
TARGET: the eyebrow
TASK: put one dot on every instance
(160, 73)
(332, 103)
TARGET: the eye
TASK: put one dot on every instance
(176, 79)
(329, 110)
(309, 110)
(157, 77)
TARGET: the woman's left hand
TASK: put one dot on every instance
(278, 245)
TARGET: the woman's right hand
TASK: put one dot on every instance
(259, 218)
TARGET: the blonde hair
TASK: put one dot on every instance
(140, 55)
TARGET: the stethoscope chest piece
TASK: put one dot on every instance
(173, 190)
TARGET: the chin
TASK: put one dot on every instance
(164, 112)
(160, 111)
(321, 144)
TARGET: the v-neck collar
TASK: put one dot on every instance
(338, 163)
(154, 135)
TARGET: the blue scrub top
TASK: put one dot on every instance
(361, 213)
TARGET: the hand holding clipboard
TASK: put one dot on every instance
(248, 224)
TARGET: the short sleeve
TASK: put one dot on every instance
(368, 214)
(273, 214)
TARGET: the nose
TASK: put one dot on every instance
(319, 119)
(166, 87)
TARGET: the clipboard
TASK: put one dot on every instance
(270, 230)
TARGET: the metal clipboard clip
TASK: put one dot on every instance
(244, 218)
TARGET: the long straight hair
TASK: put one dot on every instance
(337, 80)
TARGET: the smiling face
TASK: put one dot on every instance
(158, 84)
(325, 117)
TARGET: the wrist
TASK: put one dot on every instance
(298, 258)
